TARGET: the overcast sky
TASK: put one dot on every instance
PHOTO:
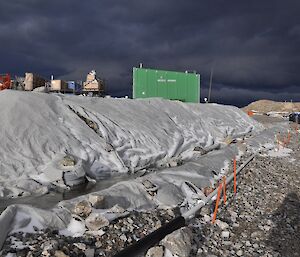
(253, 46)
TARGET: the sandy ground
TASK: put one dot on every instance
(264, 106)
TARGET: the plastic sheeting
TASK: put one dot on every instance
(24, 218)
(162, 189)
(108, 135)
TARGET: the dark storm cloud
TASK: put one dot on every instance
(252, 46)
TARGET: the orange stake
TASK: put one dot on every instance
(217, 203)
(234, 175)
(224, 189)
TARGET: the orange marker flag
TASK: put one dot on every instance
(217, 203)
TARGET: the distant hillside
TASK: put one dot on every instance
(265, 106)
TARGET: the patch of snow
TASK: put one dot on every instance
(75, 228)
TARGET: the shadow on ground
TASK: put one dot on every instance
(285, 236)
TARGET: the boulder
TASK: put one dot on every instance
(156, 251)
(116, 209)
(97, 201)
(96, 221)
(82, 209)
(179, 242)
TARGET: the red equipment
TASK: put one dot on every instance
(5, 81)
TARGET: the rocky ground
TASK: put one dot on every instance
(104, 241)
(262, 219)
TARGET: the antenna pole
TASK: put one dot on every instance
(210, 82)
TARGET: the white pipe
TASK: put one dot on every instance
(192, 212)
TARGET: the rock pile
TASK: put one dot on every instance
(105, 239)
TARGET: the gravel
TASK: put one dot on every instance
(114, 237)
(264, 215)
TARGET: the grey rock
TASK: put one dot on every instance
(225, 234)
(206, 218)
(179, 242)
(82, 209)
(129, 220)
(98, 244)
(222, 225)
(199, 252)
(173, 163)
(156, 251)
(97, 201)
(237, 246)
(255, 234)
(227, 243)
(205, 249)
(45, 253)
(116, 209)
(205, 210)
(60, 254)
(239, 253)
(171, 213)
(49, 245)
(29, 254)
(89, 252)
(81, 246)
(244, 235)
(67, 161)
(123, 238)
(96, 221)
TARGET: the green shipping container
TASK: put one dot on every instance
(171, 85)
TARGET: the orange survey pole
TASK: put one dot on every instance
(224, 189)
(288, 138)
(234, 175)
(217, 203)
